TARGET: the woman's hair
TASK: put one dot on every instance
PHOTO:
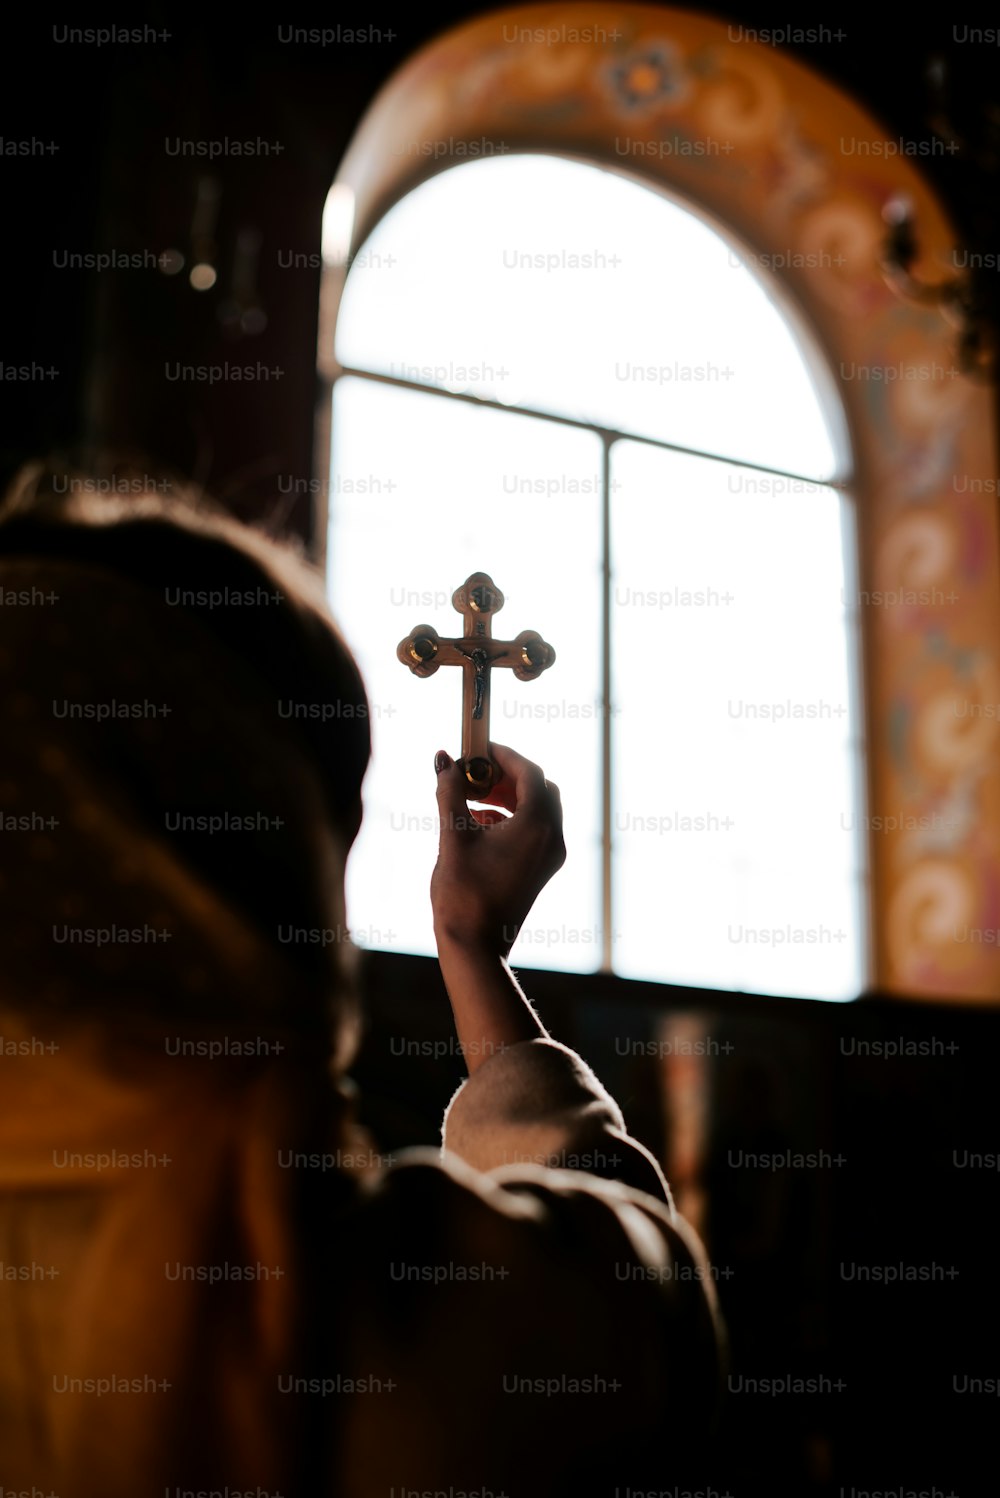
(177, 542)
(156, 596)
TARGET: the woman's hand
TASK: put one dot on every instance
(491, 867)
(489, 871)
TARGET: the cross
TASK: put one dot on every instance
(423, 650)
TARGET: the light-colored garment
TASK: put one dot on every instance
(462, 1322)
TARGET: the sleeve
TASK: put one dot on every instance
(539, 1103)
(542, 1331)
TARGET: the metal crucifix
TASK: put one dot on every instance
(423, 650)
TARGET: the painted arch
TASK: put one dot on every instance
(798, 174)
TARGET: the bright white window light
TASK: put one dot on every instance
(541, 282)
(338, 224)
(426, 491)
(734, 828)
(547, 283)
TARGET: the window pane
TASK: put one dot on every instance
(425, 491)
(736, 852)
(563, 287)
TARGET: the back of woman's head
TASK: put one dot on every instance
(186, 740)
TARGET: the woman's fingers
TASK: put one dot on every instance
(522, 783)
(486, 817)
(453, 809)
(504, 794)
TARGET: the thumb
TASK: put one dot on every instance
(453, 807)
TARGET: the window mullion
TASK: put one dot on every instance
(841, 481)
(607, 906)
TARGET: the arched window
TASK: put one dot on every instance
(670, 515)
(575, 432)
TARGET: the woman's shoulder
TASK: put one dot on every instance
(573, 1313)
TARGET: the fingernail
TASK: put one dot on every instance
(441, 762)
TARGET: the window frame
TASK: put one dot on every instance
(787, 186)
(795, 317)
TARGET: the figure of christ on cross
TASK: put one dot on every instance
(528, 655)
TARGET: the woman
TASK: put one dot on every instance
(210, 1283)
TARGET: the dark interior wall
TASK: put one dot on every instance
(111, 188)
(849, 1175)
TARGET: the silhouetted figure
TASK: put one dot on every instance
(209, 1276)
